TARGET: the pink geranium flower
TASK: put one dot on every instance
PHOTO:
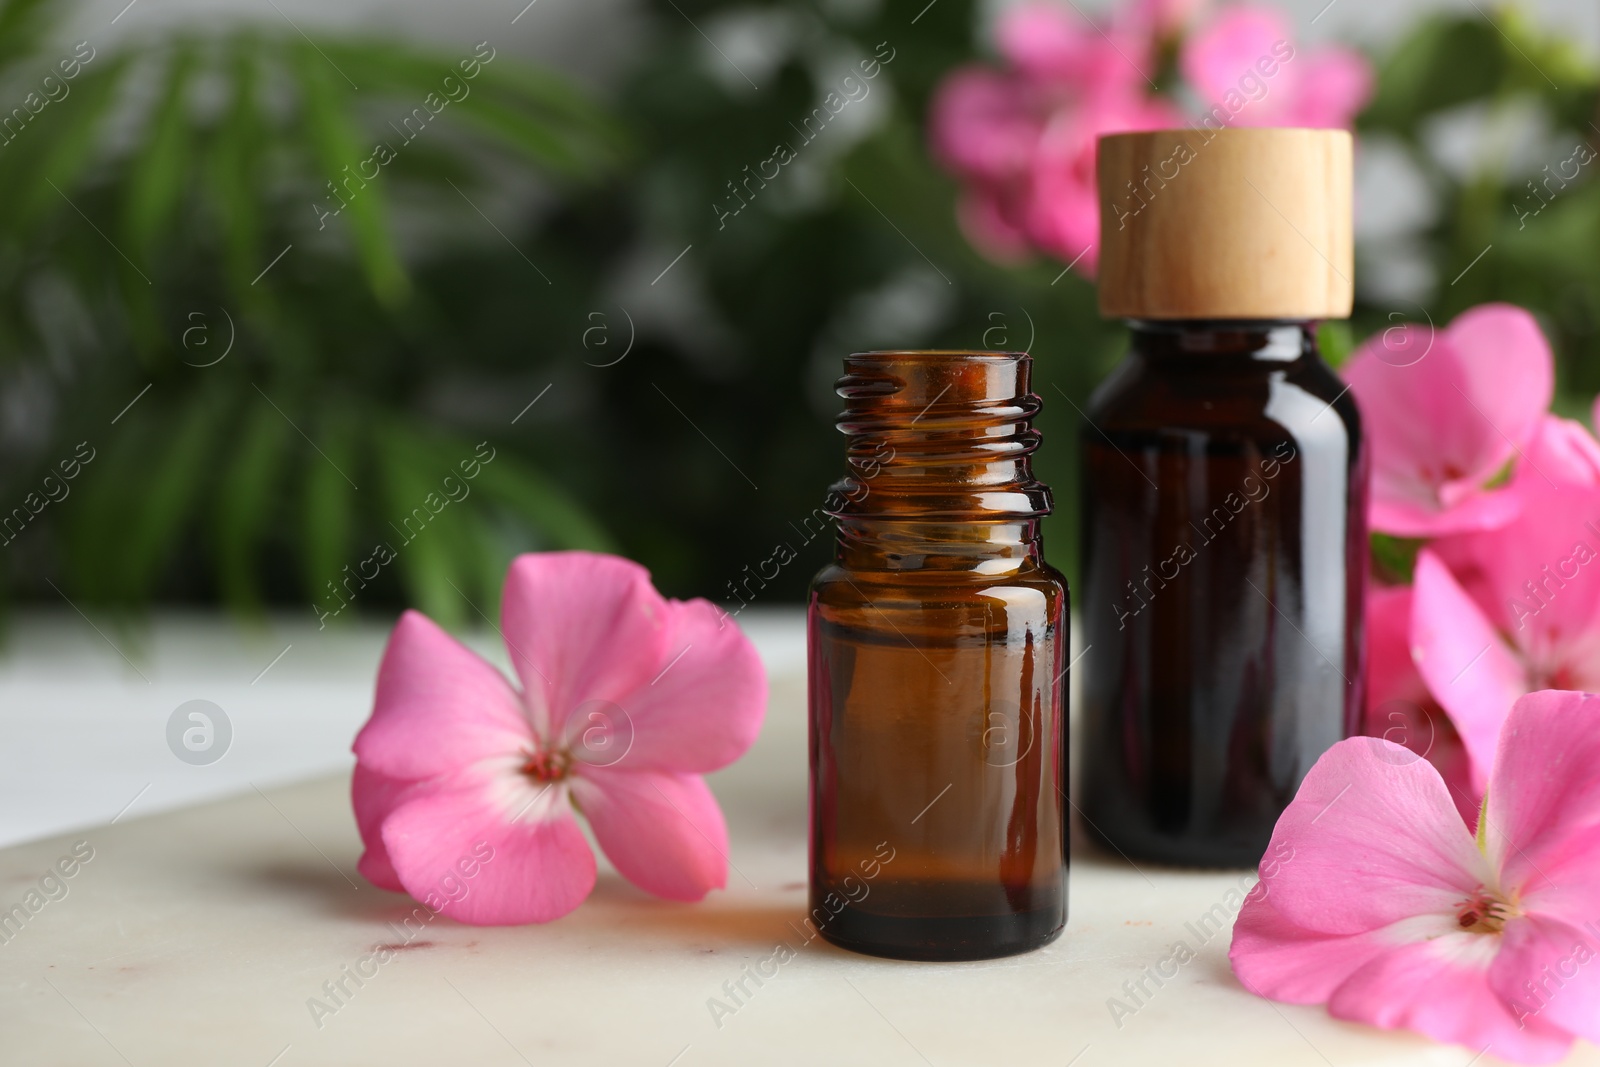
(1503, 612)
(1388, 908)
(1063, 210)
(1247, 72)
(626, 699)
(1050, 44)
(984, 125)
(1023, 139)
(1446, 412)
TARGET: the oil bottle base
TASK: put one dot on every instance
(978, 937)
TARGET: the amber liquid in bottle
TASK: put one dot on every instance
(1224, 547)
(937, 672)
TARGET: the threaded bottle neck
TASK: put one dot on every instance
(940, 437)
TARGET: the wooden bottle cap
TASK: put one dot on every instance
(1225, 224)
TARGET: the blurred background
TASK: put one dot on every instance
(329, 309)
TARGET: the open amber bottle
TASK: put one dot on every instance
(1224, 493)
(937, 642)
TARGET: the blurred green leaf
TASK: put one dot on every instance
(170, 494)
(422, 519)
(530, 136)
(235, 171)
(37, 187)
(156, 186)
(1446, 61)
(24, 27)
(1335, 342)
(139, 496)
(533, 109)
(328, 503)
(1394, 559)
(542, 504)
(157, 180)
(244, 504)
(339, 150)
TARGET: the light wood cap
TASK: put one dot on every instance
(1225, 224)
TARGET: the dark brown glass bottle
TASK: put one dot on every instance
(937, 644)
(1224, 545)
(1224, 492)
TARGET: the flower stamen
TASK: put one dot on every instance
(551, 766)
(1485, 912)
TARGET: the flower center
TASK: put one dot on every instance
(1485, 912)
(1560, 676)
(549, 766)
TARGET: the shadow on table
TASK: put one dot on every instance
(326, 888)
(615, 909)
(721, 921)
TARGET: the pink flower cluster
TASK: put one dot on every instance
(1021, 138)
(1505, 500)
(1459, 894)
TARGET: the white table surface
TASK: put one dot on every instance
(199, 931)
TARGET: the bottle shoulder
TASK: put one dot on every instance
(835, 581)
(1198, 402)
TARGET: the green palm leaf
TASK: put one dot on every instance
(338, 150)
(244, 504)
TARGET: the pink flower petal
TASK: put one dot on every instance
(1050, 42)
(1062, 215)
(1564, 451)
(1445, 411)
(662, 832)
(1394, 514)
(1544, 797)
(704, 709)
(1565, 885)
(1391, 676)
(1407, 383)
(1399, 706)
(1440, 987)
(1045, 40)
(1238, 68)
(374, 796)
(982, 215)
(1214, 59)
(1274, 958)
(1465, 661)
(1537, 581)
(981, 125)
(1550, 974)
(580, 627)
(491, 848)
(1375, 839)
(1334, 85)
(1508, 366)
(438, 707)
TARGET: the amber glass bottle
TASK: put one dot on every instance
(1224, 494)
(937, 673)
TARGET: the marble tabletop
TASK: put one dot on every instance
(230, 930)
